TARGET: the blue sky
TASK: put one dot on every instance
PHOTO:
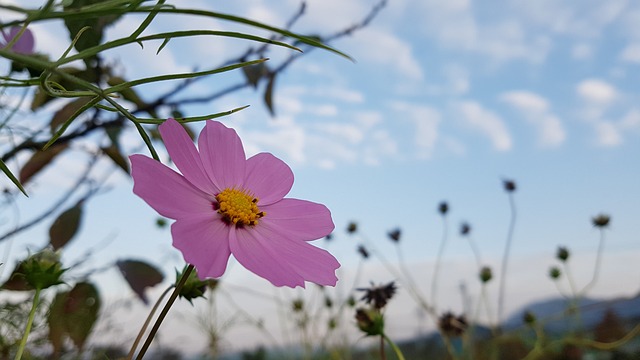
(444, 101)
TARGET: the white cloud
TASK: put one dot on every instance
(631, 53)
(631, 120)
(597, 91)
(486, 122)
(387, 51)
(425, 120)
(536, 110)
(608, 134)
(582, 51)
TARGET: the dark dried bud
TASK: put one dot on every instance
(363, 251)
(601, 221)
(485, 274)
(161, 222)
(378, 296)
(394, 235)
(529, 318)
(562, 254)
(465, 229)
(443, 208)
(352, 227)
(297, 305)
(451, 325)
(509, 185)
(554, 273)
(328, 302)
(329, 237)
(370, 321)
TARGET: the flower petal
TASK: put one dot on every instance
(184, 154)
(25, 44)
(222, 155)
(299, 219)
(204, 243)
(254, 253)
(281, 260)
(268, 178)
(168, 192)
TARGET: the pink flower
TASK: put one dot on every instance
(224, 204)
(24, 45)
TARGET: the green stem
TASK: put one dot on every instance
(146, 323)
(395, 347)
(505, 261)
(165, 310)
(434, 280)
(32, 314)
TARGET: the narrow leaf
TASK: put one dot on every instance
(11, 177)
(140, 275)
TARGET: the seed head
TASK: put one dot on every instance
(352, 227)
(509, 185)
(465, 228)
(378, 296)
(555, 273)
(394, 235)
(451, 325)
(601, 220)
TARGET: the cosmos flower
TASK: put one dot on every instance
(24, 45)
(224, 204)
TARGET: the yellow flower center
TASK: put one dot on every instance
(238, 208)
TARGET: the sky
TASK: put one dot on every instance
(443, 102)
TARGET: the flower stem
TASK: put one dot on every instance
(146, 324)
(164, 312)
(505, 260)
(596, 270)
(395, 347)
(27, 330)
(436, 270)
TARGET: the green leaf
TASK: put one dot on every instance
(65, 226)
(73, 313)
(139, 275)
(11, 177)
(38, 161)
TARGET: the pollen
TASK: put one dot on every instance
(238, 208)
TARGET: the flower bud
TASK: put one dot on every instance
(529, 318)
(370, 321)
(509, 185)
(554, 273)
(562, 254)
(363, 251)
(443, 208)
(485, 274)
(352, 227)
(41, 270)
(465, 229)
(194, 287)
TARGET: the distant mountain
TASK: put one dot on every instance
(553, 313)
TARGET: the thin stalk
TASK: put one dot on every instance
(436, 270)
(596, 270)
(164, 312)
(395, 347)
(27, 330)
(505, 259)
(146, 323)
